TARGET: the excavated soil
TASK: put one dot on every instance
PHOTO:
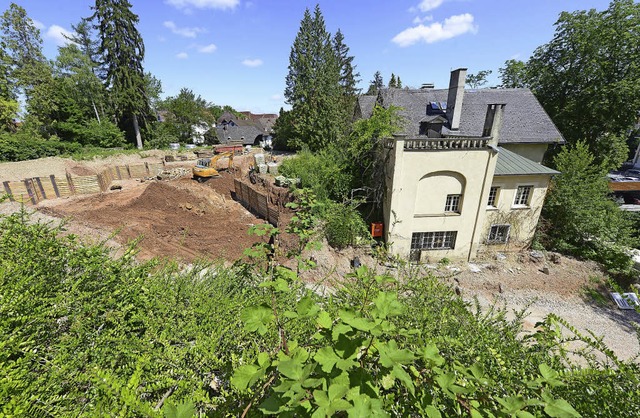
(179, 219)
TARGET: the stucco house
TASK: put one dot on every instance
(464, 175)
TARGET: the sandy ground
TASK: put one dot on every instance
(185, 220)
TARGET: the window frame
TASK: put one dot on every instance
(518, 196)
(453, 203)
(496, 197)
(446, 240)
(494, 231)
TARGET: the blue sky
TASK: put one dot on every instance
(236, 52)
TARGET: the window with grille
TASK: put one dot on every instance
(442, 240)
(523, 196)
(493, 197)
(453, 203)
(499, 234)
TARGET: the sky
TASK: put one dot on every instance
(236, 52)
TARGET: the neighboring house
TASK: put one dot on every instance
(464, 174)
(251, 130)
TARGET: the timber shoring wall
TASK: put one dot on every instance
(256, 202)
(34, 189)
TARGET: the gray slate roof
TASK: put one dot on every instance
(249, 133)
(511, 164)
(524, 119)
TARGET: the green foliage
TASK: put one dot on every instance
(343, 225)
(86, 334)
(324, 172)
(367, 359)
(475, 81)
(514, 74)
(582, 219)
(20, 146)
(320, 86)
(102, 134)
(590, 65)
(184, 112)
(376, 84)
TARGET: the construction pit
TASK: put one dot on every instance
(169, 216)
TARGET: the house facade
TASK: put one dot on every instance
(464, 174)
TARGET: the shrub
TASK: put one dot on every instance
(19, 147)
(104, 134)
(343, 225)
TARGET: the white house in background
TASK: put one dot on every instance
(464, 175)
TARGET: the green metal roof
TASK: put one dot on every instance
(511, 164)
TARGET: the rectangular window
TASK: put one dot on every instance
(499, 234)
(493, 196)
(453, 203)
(523, 196)
(442, 240)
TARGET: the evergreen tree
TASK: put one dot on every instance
(348, 81)
(398, 82)
(376, 84)
(313, 85)
(122, 50)
(392, 81)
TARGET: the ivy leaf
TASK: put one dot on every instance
(324, 320)
(431, 355)
(512, 404)
(307, 307)
(432, 412)
(387, 304)
(391, 355)
(257, 318)
(559, 408)
(364, 406)
(327, 358)
(271, 406)
(387, 381)
(291, 369)
(183, 410)
(357, 322)
(245, 376)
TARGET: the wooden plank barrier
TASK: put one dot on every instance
(62, 184)
(85, 184)
(256, 201)
(18, 191)
(154, 168)
(138, 171)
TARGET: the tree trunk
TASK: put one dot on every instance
(136, 128)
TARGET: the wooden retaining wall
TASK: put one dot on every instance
(256, 201)
(33, 190)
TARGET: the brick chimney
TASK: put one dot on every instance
(493, 122)
(454, 100)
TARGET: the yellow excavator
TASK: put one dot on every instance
(205, 168)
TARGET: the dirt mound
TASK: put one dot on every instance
(181, 219)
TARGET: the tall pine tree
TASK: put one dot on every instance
(313, 86)
(348, 80)
(122, 50)
(376, 84)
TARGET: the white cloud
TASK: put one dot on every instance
(453, 26)
(182, 56)
(56, 34)
(207, 49)
(276, 97)
(38, 24)
(252, 63)
(426, 5)
(419, 19)
(186, 32)
(203, 4)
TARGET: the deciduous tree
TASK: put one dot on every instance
(588, 76)
(513, 74)
(477, 80)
